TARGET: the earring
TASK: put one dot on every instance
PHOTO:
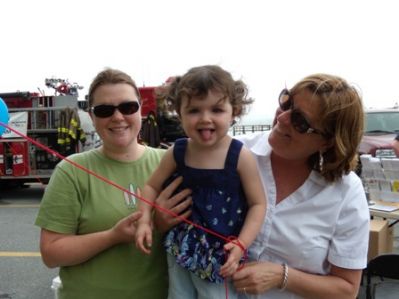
(321, 161)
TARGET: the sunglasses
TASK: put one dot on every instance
(298, 120)
(126, 108)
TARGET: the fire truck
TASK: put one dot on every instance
(40, 118)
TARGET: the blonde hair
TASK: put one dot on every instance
(341, 120)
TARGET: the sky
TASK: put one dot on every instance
(267, 44)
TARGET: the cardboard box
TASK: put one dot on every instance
(390, 238)
(381, 238)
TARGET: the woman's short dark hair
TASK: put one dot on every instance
(110, 76)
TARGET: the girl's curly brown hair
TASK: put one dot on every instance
(197, 82)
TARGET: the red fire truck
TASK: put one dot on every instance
(39, 117)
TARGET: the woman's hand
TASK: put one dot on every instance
(258, 277)
(125, 230)
(177, 205)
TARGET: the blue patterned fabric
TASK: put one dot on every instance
(218, 205)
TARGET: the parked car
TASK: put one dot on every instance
(382, 125)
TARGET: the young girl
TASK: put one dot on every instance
(228, 196)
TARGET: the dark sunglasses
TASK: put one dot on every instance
(125, 108)
(298, 120)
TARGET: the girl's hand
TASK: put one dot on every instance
(144, 237)
(176, 204)
(235, 253)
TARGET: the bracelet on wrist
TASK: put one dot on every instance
(285, 277)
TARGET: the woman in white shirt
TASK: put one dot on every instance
(314, 239)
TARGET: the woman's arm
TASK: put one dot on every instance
(259, 277)
(68, 250)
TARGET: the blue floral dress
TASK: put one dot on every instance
(218, 205)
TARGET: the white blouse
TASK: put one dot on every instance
(318, 225)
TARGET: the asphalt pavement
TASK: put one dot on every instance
(22, 272)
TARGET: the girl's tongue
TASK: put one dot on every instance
(206, 134)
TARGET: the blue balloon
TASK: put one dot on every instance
(4, 117)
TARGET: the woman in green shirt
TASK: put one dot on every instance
(88, 225)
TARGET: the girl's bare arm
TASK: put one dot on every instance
(255, 195)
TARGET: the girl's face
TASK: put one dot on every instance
(118, 131)
(206, 120)
(286, 141)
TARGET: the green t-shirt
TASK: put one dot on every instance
(76, 202)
